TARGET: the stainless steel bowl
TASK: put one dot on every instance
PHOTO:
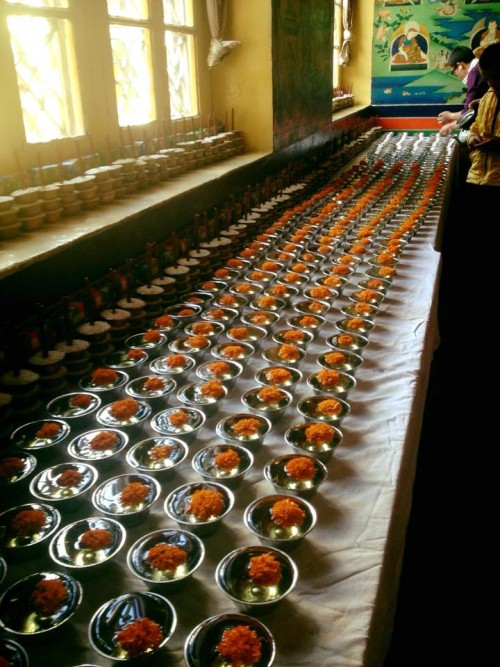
(81, 449)
(126, 360)
(186, 431)
(16, 467)
(105, 416)
(341, 388)
(200, 648)
(252, 334)
(158, 455)
(176, 309)
(356, 343)
(221, 352)
(168, 580)
(258, 518)
(311, 409)
(294, 335)
(46, 486)
(138, 388)
(312, 307)
(298, 322)
(107, 498)
(29, 437)
(273, 410)
(290, 379)
(67, 550)
(352, 310)
(264, 302)
(275, 471)
(192, 395)
(356, 324)
(227, 429)
(347, 362)
(24, 544)
(178, 372)
(13, 652)
(322, 449)
(87, 383)
(234, 301)
(250, 594)
(66, 406)
(183, 345)
(116, 614)
(221, 315)
(176, 507)
(276, 354)
(234, 370)
(140, 341)
(213, 331)
(205, 463)
(21, 618)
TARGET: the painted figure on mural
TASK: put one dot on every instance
(410, 48)
(491, 35)
(446, 8)
(484, 33)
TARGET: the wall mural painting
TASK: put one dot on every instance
(411, 43)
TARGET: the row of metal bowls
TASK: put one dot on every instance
(115, 615)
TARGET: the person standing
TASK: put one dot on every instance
(483, 178)
(463, 64)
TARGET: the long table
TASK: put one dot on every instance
(341, 611)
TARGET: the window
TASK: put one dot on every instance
(41, 40)
(337, 41)
(133, 32)
(181, 63)
(65, 90)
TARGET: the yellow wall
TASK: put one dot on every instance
(243, 80)
(358, 71)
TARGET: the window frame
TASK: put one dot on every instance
(93, 55)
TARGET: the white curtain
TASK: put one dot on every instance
(345, 51)
(219, 48)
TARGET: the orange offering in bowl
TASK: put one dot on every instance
(240, 646)
(140, 636)
(48, 596)
(134, 493)
(166, 557)
(205, 503)
(124, 409)
(227, 460)
(247, 426)
(287, 513)
(96, 538)
(270, 394)
(329, 406)
(265, 570)
(300, 468)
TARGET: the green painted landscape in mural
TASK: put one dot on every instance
(411, 44)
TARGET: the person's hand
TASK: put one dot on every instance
(474, 103)
(448, 128)
(476, 141)
(445, 117)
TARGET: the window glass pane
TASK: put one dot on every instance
(61, 4)
(181, 79)
(46, 77)
(178, 12)
(133, 80)
(128, 9)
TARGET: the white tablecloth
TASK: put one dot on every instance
(341, 611)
